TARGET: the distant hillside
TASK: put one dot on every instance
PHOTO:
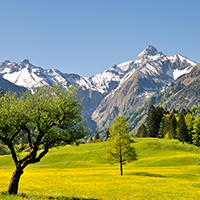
(183, 93)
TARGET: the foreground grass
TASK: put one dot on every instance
(166, 169)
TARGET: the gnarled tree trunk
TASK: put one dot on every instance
(14, 181)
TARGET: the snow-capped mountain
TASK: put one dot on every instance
(29, 76)
(151, 72)
(119, 89)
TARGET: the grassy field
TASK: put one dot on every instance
(166, 169)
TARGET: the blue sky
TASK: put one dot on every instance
(89, 36)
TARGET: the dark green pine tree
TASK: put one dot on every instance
(107, 134)
(182, 131)
(154, 119)
(97, 138)
(174, 125)
(183, 111)
(150, 123)
(174, 111)
(142, 131)
(90, 140)
(165, 130)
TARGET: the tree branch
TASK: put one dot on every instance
(29, 137)
(15, 134)
(30, 158)
(41, 155)
(14, 156)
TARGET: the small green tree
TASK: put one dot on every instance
(119, 149)
(90, 140)
(107, 134)
(142, 131)
(97, 138)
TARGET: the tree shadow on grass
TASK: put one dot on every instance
(70, 198)
(147, 174)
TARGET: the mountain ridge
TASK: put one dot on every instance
(119, 90)
(154, 73)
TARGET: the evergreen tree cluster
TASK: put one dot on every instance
(161, 123)
(96, 138)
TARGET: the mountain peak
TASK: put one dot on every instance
(25, 62)
(149, 51)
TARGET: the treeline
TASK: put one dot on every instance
(96, 138)
(161, 123)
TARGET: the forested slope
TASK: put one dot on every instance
(183, 93)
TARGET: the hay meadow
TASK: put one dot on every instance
(166, 169)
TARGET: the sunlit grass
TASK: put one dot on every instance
(106, 183)
(164, 171)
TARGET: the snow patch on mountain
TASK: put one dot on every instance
(183, 59)
(175, 73)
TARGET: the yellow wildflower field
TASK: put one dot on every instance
(106, 183)
(166, 169)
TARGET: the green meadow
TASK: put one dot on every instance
(165, 169)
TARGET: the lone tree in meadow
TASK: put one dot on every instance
(119, 149)
(49, 117)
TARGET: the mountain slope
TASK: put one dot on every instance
(153, 72)
(6, 86)
(182, 93)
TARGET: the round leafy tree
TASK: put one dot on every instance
(119, 148)
(47, 118)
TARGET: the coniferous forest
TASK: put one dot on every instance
(161, 123)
